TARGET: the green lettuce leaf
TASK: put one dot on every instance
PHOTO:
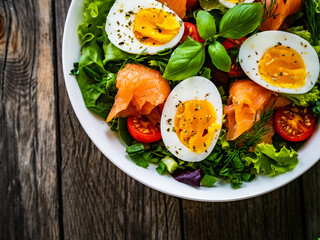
(267, 160)
(111, 52)
(209, 5)
(95, 15)
(317, 4)
(305, 99)
(301, 33)
(97, 85)
(317, 48)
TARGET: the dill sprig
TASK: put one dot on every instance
(313, 20)
(269, 11)
(256, 133)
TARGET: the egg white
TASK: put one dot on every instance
(119, 26)
(194, 88)
(231, 5)
(255, 46)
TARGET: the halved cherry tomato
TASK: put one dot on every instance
(191, 30)
(192, 4)
(231, 43)
(142, 130)
(235, 69)
(228, 44)
(294, 124)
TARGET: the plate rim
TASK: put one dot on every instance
(184, 191)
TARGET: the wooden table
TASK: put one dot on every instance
(55, 184)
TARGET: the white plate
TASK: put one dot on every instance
(110, 145)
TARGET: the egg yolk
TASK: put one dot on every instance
(235, 1)
(196, 124)
(154, 26)
(282, 66)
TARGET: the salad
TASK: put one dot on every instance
(207, 90)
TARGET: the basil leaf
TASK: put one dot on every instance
(241, 20)
(219, 56)
(123, 131)
(206, 24)
(186, 61)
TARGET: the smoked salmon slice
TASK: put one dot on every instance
(178, 6)
(140, 90)
(283, 9)
(248, 100)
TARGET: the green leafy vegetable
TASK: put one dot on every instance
(135, 148)
(241, 20)
(209, 5)
(227, 162)
(205, 72)
(170, 163)
(158, 61)
(267, 160)
(208, 180)
(143, 156)
(305, 99)
(161, 168)
(123, 131)
(299, 31)
(219, 56)
(95, 82)
(112, 53)
(206, 24)
(186, 61)
(95, 15)
(316, 108)
(313, 19)
(75, 70)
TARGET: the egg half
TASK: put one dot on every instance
(280, 61)
(232, 3)
(191, 119)
(143, 25)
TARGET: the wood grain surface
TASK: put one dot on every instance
(55, 184)
(28, 140)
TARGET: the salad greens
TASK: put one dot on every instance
(209, 5)
(100, 61)
(305, 99)
(267, 160)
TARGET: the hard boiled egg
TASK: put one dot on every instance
(143, 25)
(191, 119)
(232, 3)
(280, 61)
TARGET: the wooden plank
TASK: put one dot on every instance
(28, 153)
(276, 215)
(99, 200)
(311, 201)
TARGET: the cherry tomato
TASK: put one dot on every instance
(191, 30)
(142, 130)
(192, 4)
(235, 69)
(231, 43)
(294, 124)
